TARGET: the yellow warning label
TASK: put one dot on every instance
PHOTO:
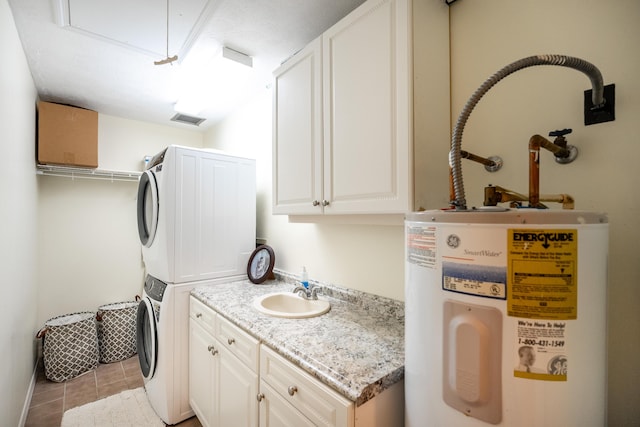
(542, 274)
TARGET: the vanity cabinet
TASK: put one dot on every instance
(343, 112)
(236, 381)
(223, 377)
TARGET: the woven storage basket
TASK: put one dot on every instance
(117, 331)
(70, 346)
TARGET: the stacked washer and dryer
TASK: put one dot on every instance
(196, 221)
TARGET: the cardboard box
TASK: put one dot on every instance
(67, 135)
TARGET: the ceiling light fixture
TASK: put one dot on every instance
(208, 82)
(167, 60)
(236, 56)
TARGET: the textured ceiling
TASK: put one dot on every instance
(84, 54)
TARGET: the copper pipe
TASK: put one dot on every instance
(496, 194)
(556, 149)
(567, 201)
(488, 163)
(478, 159)
(534, 170)
(535, 143)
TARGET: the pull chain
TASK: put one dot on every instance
(167, 60)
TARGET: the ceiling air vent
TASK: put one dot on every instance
(190, 120)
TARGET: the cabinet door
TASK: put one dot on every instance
(201, 374)
(297, 133)
(367, 110)
(277, 412)
(238, 388)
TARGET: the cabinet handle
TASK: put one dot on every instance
(292, 390)
(198, 315)
(316, 203)
(231, 340)
(325, 203)
(213, 350)
(260, 397)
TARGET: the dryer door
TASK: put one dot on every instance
(147, 207)
(147, 337)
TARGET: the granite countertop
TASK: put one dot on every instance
(357, 348)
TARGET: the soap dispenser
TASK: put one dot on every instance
(304, 277)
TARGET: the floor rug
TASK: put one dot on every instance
(129, 408)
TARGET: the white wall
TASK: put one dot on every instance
(487, 35)
(18, 216)
(89, 252)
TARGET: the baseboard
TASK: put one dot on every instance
(27, 401)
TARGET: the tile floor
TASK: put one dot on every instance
(51, 399)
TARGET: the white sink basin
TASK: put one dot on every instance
(290, 305)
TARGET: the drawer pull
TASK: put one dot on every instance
(292, 390)
(260, 397)
(198, 315)
(213, 350)
(231, 341)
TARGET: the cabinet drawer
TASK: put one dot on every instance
(202, 315)
(323, 406)
(243, 345)
(276, 411)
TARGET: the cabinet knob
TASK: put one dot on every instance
(198, 315)
(325, 203)
(231, 340)
(292, 390)
(316, 203)
(260, 397)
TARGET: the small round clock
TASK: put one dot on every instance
(260, 266)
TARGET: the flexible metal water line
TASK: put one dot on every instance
(455, 158)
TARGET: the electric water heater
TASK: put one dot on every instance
(506, 318)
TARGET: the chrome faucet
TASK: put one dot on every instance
(307, 293)
(301, 290)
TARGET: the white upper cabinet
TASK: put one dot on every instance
(361, 115)
(297, 133)
(367, 110)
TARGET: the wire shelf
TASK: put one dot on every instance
(87, 173)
